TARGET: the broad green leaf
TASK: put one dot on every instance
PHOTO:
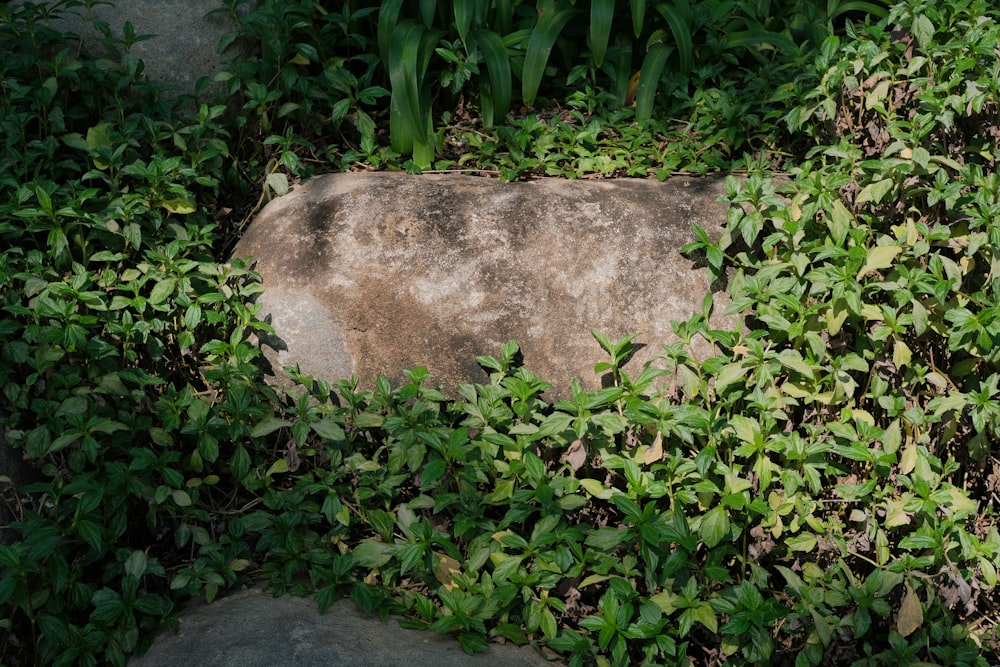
(901, 354)
(704, 614)
(896, 513)
(410, 123)
(551, 19)
(730, 374)
(498, 68)
(162, 290)
(388, 17)
(602, 13)
(464, 10)
(920, 317)
(99, 136)
(596, 489)
(428, 8)
(840, 220)
(681, 32)
(792, 360)
(649, 79)
(267, 426)
(135, 564)
(606, 538)
(892, 437)
(923, 30)
(179, 206)
(329, 429)
(638, 8)
(371, 553)
(746, 429)
(760, 38)
(714, 526)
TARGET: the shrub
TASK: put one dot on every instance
(816, 492)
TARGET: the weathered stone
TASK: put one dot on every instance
(368, 274)
(251, 628)
(180, 37)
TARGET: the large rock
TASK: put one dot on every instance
(373, 273)
(253, 629)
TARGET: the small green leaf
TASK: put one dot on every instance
(181, 498)
(874, 192)
(372, 553)
(162, 290)
(329, 428)
(805, 542)
(714, 526)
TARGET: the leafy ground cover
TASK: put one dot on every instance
(819, 492)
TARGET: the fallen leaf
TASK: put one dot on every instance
(446, 567)
(576, 455)
(910, 615)
(655, 452)
(292, 457)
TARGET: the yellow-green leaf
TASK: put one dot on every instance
(908, 459)
(879, 257)
(897, 515)
(874, 192)
(278, 182)
(279, 466)
(901, 354)
(181, 498)
(179, 205)
(445, 568)
(596, 489)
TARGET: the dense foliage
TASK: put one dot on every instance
(818, 492)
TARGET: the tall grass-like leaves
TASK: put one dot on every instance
(410, 113)
(602, 13)
(552, 18)
(465, 11)
(388, 17)
(676, 15)
(760, 38)
(638, 8)
(428, 8)
(652, 69)
(496, 100)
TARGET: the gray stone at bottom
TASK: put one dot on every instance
(253, 629)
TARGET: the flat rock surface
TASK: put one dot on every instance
(369, 274)
(180, 37)
(254, 629)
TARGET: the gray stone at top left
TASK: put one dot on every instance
(185, 41)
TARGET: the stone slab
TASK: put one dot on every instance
(369, 274)
(183, 38)
(254, 629)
